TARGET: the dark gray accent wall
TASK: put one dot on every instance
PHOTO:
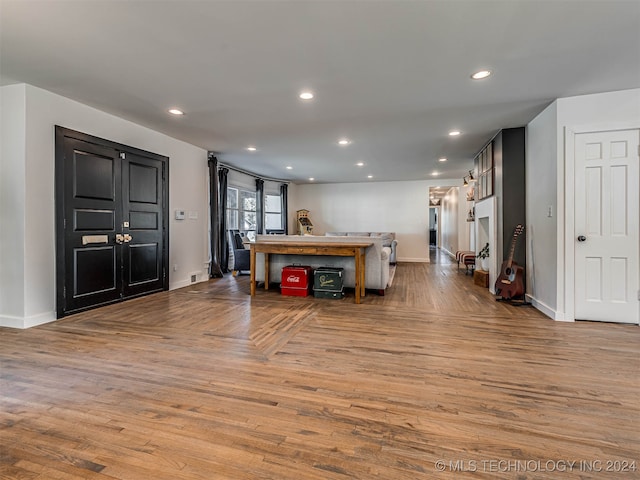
(509, 161)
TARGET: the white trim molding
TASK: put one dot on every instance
(27, 322)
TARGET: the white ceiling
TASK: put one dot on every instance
(393, 76)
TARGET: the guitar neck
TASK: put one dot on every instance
(516, 233)
(511, 252)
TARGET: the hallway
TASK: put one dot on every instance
(439, 257)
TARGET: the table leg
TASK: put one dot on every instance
(363, 267)
(358, 262)
(266, 270)
(252, 266)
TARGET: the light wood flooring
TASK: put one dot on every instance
(433, 378)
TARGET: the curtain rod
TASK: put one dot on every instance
(251, 174)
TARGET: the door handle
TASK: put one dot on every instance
(120, 239)
(582, 238)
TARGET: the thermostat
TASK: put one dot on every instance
(179, 214)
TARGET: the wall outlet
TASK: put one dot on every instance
(175, 267)
(550, 211)
(194, 278)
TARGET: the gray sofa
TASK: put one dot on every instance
(388, 240)
(376, 260)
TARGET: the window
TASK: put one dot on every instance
(273, 212)
(241, 211)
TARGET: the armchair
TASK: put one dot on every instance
(241, 256)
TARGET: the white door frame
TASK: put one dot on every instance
(569, 209)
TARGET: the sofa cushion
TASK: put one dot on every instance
(387, 238)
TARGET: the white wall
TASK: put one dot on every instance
(12, 205)
(541, 190)
(546, 163)
(35, 169)
(466, 230)
(400, 207)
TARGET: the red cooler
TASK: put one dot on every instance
(296, 280)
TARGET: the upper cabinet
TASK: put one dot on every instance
(485, 170)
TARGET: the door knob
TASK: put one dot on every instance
(582, 238)
(127, 238)
(119, 239)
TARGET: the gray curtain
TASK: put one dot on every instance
(214, 213)
(223, 238)
(284, 199)
(259, 206)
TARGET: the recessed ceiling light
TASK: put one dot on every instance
(434, 174)
(344, 141)
(369, 176)
(306, 95)
(442, 159)
(289, 167)
(481, 74)
(360, 164)
(454, 133)
(252, 149)
(175, 111)
(311, 179)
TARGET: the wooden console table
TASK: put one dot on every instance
(355, 250)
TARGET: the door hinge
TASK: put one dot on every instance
(123, 155)
(64, 292)
(64, 223)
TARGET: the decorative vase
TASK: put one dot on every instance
(484, 264)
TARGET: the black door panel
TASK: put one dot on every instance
(94, 175)
(92, 272)
(143, 206)
(95, 272)
(142, 263)
(91, 220)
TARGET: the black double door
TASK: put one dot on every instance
(111, 203)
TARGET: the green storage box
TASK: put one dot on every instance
(328, 279)
(336, 295)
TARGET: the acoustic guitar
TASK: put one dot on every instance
(510, 283)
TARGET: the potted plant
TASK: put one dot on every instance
(483, 255)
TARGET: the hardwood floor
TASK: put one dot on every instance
(429, 380)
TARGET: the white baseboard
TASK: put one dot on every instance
(452, 255)
(547, 310)
(413, 260)
(27, 322)
(186, 282)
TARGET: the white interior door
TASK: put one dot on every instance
(607, 242)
